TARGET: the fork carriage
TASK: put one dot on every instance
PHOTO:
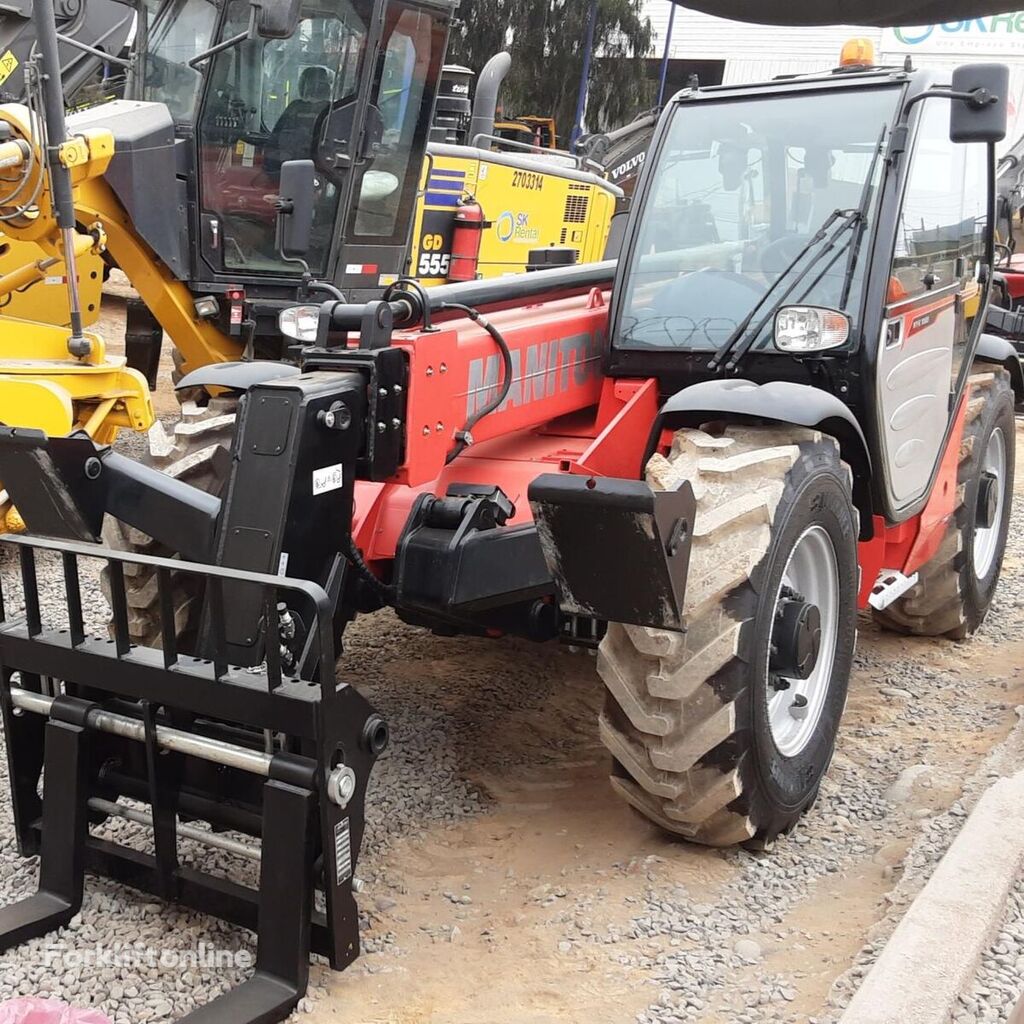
(281, 756)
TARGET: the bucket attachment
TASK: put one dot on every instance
(260, 752)
(617, 550)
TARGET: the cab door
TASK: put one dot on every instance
(372, 245)
(933, 303)
(265, 102)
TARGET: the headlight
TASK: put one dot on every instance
(810, 329)
(299, 322)
(207, 307)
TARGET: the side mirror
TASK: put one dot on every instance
(616, 234)
(733, 163)
(335, 134)
(277, 19)
(295, 208)
(978, 112)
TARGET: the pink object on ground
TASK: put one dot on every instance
(29, 1010)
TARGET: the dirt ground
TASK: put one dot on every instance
(526, 911)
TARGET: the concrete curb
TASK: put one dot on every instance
(934, 952)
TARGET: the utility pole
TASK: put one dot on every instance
(588, 55)
(667, 54)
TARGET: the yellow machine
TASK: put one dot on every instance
(537, 131)
(44, 386)
(530, 200)
(46, 300)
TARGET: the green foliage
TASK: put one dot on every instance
(546, 38)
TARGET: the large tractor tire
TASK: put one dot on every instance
(714, 735)
(197, 452)
(954, 590)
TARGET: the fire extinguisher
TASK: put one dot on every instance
(467, 237)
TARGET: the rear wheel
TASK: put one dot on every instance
(197, 452)
(955, 589)
(722, 734)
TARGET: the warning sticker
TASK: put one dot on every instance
(342, 852)
(8, 65)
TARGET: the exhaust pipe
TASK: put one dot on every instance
(485, 103)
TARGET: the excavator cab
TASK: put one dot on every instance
(348, 84)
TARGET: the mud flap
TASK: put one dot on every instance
(617, 550)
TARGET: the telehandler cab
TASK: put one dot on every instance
(779, 406)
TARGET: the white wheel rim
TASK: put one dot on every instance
(986, 538)
(794, 713)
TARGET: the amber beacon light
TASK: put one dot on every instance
(857, 53)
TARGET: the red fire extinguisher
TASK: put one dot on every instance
(467, 236)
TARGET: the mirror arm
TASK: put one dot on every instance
(249, 33)
(976, 99)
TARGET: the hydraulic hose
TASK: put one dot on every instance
(464, 438)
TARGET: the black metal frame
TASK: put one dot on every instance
(309, 835)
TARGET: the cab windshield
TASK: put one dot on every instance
(741, 189)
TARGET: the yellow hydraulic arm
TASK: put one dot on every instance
(42, 384)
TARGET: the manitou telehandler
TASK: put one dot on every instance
(777, 407)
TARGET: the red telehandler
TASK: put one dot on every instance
(778, 405)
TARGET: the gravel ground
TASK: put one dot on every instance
(999, 984)
(697, 935)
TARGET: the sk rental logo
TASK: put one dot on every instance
(999, 33)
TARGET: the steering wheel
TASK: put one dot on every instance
(778, 255)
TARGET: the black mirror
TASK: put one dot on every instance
(277, 19)
(733, 163)
(978, 112)
(295, 208)
(616, 234)
(334, 135)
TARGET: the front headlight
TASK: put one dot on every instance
(299, 322)
(810, 329)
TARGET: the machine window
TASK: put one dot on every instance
(267, 103)
(740, 192)
(940, 242)
(182, 30)
(386, 194)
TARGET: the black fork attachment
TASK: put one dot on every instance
(259, 751)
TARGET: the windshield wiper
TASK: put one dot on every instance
(850, 218)
(865, 202)
(846, 218)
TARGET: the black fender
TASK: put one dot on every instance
(1001, 352)
(237, 377)
(782, 402)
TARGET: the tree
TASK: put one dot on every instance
(545, 38)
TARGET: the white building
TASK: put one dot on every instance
(732, 52)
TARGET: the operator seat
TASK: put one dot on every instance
(292, 136)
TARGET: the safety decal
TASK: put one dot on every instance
(8, 65)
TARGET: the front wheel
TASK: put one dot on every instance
(722, 734)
